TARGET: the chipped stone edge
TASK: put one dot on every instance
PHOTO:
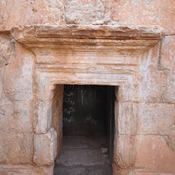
(30, 33)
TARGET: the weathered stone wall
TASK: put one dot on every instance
(146, 146)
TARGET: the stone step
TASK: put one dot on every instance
(84, 157)
(84, 142)
(83, 170)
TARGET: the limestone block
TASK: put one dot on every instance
(167, 64)
(156, 118)
(124, 151)
(30, 12)
(153, 81)
(118, 171)
(15, 116)
(154, 155)
(18, 78)
(84, 12)
(43, 117)
(45, 147)
(26, 170)
(147, 172)
(57, 108)
(59, 141)
(126, 119)
(16, 148)
(43, 86)
(143, 13)
(6, 49)
(129, 91)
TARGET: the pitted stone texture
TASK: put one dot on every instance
(18, 75)
(167, 64)
(25, 170)
(43, 117)
(80, 170)
(156, 118)
(82, 155)
(153, 81)
(124, 151)
(143, 13)
(6, 50)
(84, 11)
(127, 116)
(13, 114)
(16, 148)
(154, 155)
(85, 157)
(129, 12)
(16, 117)
(170, 140)
(45, 147)
(30, 12)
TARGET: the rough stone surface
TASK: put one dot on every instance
(153, 81)
(82, 155)
(124, 151)
(167, 64)
(16, 148)
(157, 155)
(27, 170)
(100, 42)
(127, 118)
(18, 75)
(45, 147)
(143, 13)
(156, 119)
(30, 12)
(84, 12)
(128, 12)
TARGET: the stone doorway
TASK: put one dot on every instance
(88, 130)
(89, 55)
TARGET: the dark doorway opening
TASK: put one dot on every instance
(88, 130)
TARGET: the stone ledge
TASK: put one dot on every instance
(89, 35)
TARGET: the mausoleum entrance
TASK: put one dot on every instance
(88, 130)
(86, 55)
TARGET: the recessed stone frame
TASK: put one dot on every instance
(91, 55)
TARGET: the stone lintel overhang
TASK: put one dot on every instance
(127, 39)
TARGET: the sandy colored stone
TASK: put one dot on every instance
(153, 81)
(57, 114)
(124, 151)
(154, 155)
(143, 13)
(130, 90)
(120, 54)
(45, 147)
(16, 148)
(84, 12)
(30, 12)
(26, 169)
(15, 116)
(126, 118)
(130, 12)
(156, 119)
(18, 75)
(167, 64)
(43, 118)
(65, 33)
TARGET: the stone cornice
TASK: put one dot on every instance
(123, 37)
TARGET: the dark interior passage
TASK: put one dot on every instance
(88, 130)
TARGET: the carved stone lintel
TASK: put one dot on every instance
(89, 35)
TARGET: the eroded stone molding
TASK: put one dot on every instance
(122, 37)
(101, 55)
